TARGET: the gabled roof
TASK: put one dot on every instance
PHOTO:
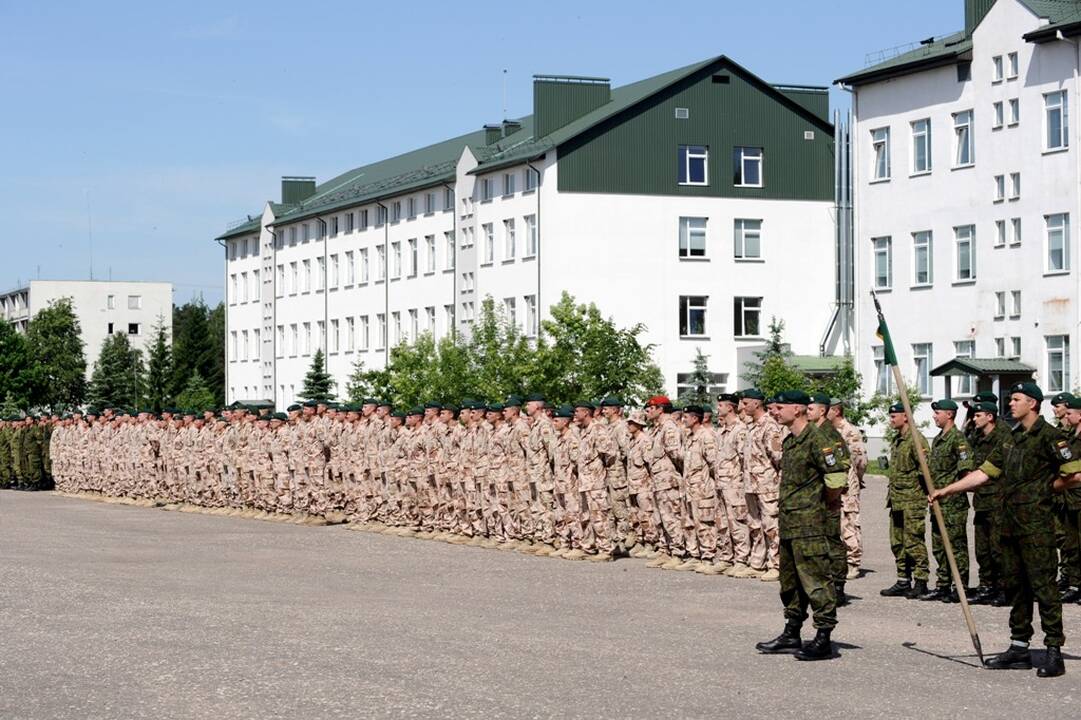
(983, 366)
(252, 223)
(1061, 15)
(941, 51)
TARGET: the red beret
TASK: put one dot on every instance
(659, 400)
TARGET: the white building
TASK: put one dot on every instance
(966, 195)
(698, 202)
(103, 308)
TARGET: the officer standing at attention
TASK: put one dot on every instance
(988, 432)
(908, 512)
(814, 473)
(1026, 466)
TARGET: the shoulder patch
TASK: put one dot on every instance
(829, 457)
(1064, 451)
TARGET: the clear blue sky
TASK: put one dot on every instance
(174, 119)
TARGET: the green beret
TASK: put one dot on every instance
(398, 414)
(694, 410)
(944, 404)
(293, 408)
(728, 398)
(1063, 398)
(821, 399)
(1074, 403)
(834, 402)
(754, 394)
(495, 407)
(415, 411)
(985, 396)
(369, 401)
(534, 397)
(794, 397)
(279, 416)
(584, 404)
(987, 407)
(452, 407)
(897, 408)
(512, 401)
(432, 406)
(564, 411)
(1030, 389)
(311, 403)
(612, 401)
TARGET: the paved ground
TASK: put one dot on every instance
(109, 611)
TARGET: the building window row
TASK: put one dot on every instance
(507, 184)
(693, 166)
(693, 316)
(693, 238)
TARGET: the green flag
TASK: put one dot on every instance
(883, 334)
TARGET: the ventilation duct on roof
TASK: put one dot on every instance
(297, 189)
(559, 100)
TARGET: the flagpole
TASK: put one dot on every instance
(930, 484)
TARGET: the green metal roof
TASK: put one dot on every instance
(252, 224)
(983, 366)
(817, 364)
(942, 51)
(1064, 15)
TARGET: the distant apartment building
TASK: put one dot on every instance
(698, 202)
(103, 308)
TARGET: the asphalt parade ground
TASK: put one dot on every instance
(112, 611)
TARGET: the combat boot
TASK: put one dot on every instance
(853, 572)
(787, 642)
(1015, 658)
(950, 595)
(575, 554)
(981, 596)
(1053, 666)
(737, 570)
(919, 587)
(842, 599)
(708, 568)
(940, 592)
(637, 551)
(818, 649)
(658, 561)
(999, 599)
(771, 575)
(901, 588)
(1072, 595)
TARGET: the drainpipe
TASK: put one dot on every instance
(326, 294)
(1076, 91)
(225, 305)
(386, 283)
(454, 275)
(274, 316)
(537, 309)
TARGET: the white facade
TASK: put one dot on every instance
(103, 307)
(1000, 220)
(618, 251)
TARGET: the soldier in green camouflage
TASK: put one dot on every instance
(7, 462)
(908, 511)
(950, 460)
(814, 473)
(1069, 563)
(1071, 498)
(816, 413)
(1026, 466)
(988, 431)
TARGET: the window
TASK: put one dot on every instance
(307, 265)
(693, 165)
(964, 71)
(1000, 233)
(1000, 188)
(467, 282)
(413, 260)
(110, 302)
(350, 268)
(921, 355)
(429, 203)
(293, 235)
(243, 287)
(307, 338)
(235, 293)
(999, 113)
(411, 208)
(1015, 111)
(748, 316)
(305, 232)
(922, 260)
(1015, 303)
(962, 132)
(363, 219)
(279, 281)
(1015, 239)
(530, 234)
(486, 191)
(689, 384)
(396, 259)
(997, 74)
(748, 239)
(1058, 363)
(509, 309)
(364, 265)
(294, 278)
(448, 199)
(1015, 186)
(280, 338)
(1000, 305)
(508, 183)
(880, 150)
(429, 246)
(294, 346)
(232, 250)
(381, 331)
(883, 376)
(531, 315)
(530, 179)
(429, 313)
(1057, 128)
(350, 222)
(921, 146)
(448, 317)
(489, 242)
(965, 238)
(350, 334)
(364, 332)
(692, 315)
(334, 226)
(692, 237)
(414, 325)
(396, 316)
(448, 241)
(1015, 348)
(135, 302)
(396, 211)
(1000, 347)
(233, 346)
(334, 336)
(1058, 242)
(883, 249)
(468, 312)
(320, 273)
(509, 238)
(334, 271)
(133, 328)
(966, 384)
(1012, 66)
(748, 166)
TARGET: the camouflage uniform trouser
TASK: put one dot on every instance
(955, 513)
(597, 510)
(521, 499)
(733, 505)
(851, 534)
(669, 510)
(988, 547)
(806, 581)
(567, 518)
(644, 512)
(908, 542)
(473, 521)
(838, 556)
(619, 497)
(541, 507)
(1069, 551)
(762, 519)
(703, 521)
(1028, 566)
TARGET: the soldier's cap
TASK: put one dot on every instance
(638, 417)
(612, 401)
(92, 411)
(821, 399)
(398, 414)
(432, 406)
(279, 416)
(452, 407)
(794, 397)
(944, 404)
(1030, 389)
(658, 400)
(694, 410)
(418, 410)
(728, 398)
(311, 403)
(987, 407)
(384, 403)
(534, 397)
(564, 411)
(292, 408)
(897, 408)
(1074, 403)
(512, 401)
(369, 401)
(495, 407)
(1063, 398)
(834, 402)
(985, 396)
(754, 394)
(584, 404)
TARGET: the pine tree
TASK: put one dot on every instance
(15, 367)
(58, 373)
(318, 385)
(215, 371)
(11, 406)
(196, 395)
(700, 379)
(117, 377)
(192, 348)
(159, 369)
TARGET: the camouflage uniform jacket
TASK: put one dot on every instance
(762, 457)
(541, 452)
(906, 490)
(950, 460)
(811, 463)
(666, 455)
